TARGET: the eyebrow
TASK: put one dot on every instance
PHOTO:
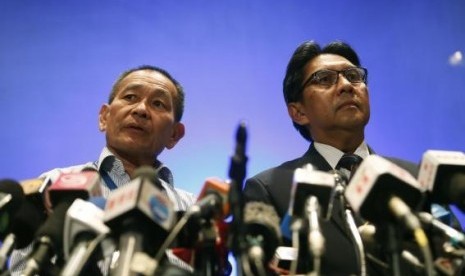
(156, 91)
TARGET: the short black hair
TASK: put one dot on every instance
(305, 52)
(178, 100)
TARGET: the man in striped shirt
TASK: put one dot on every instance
(141, 119)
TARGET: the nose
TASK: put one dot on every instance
(140, 109)
(344, 85)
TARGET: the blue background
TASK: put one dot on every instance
(58, 61)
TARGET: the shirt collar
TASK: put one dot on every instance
(107, 161)
(333, 155)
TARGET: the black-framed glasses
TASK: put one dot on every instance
(328, 77)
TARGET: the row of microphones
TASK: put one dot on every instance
(49, 237)
(133, 226)
(386, 196)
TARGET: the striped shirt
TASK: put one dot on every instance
(109, 165)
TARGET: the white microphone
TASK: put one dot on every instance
(83, 224)
(140, 215)
(378, 189)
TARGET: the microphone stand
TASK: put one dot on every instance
(237, 172)
(393, 249)
(338, 192)
(206, 262)
(316, 241)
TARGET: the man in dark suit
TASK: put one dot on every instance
(327, 98)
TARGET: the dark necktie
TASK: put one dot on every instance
(349, 162)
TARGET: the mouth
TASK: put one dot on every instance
(135, 127)
(348, 104)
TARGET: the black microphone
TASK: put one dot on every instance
(49, 237)
(442, 174)
(11, 198)
(20, 219)
(237, 173)
(262, 236)
(140, 216)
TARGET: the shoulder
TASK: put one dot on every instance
(187, 197)
(277, 173)
(407, 165)
(54, 173)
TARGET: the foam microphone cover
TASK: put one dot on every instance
(9, 188)
(26, 221)
(261, 220)
(12, 188)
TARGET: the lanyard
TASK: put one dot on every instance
(108, 181)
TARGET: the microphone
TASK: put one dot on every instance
(212, 201)
(368, 235)
(378, 189)
(237, 173)
(20, 219)
(34, 190)
(382, 193)
(140, 214)
(311, 194)
(262, 236)
(49, 237)
(12, 198)
(83, 226)
(442, 174)
(208, 230)
(324, 185)
(457, 237)
(309, 182)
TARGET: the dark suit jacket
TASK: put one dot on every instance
(273, 187)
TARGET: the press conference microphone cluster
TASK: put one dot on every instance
(49, 237)
(314, 197)
(387, 195)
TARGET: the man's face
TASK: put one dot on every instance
(328, 110)
(140, 120)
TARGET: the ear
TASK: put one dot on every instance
(103, 117)
(295, 111)
(178, 133)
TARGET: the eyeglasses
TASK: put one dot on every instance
(328, 77)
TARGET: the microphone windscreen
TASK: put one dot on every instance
(54, 225)
(11, 187)
(26, 221)
(261, 220)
